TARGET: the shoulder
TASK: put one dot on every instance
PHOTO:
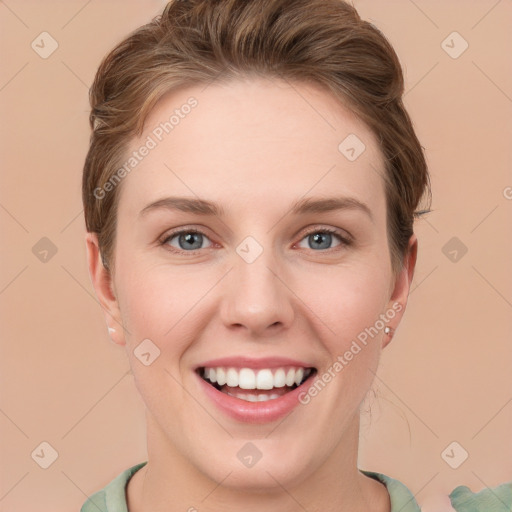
(400, 497)
(491, 499)
(113, 496)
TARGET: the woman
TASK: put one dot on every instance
(253, 314)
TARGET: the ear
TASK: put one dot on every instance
(103, 286)
(401, 288)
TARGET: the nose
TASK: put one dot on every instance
(257, 298)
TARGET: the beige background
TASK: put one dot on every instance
(446, 376)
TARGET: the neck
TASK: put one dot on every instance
(169, 482)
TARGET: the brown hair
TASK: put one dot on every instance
(197, 41)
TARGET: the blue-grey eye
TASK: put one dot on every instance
(321, 240)
(187, 240)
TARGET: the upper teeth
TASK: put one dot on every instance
(247, 378)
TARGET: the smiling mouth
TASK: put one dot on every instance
(256, 385)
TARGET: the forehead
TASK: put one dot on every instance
(240, 141)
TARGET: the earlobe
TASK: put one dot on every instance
(103, 287)
(388, 335)
(114, 336)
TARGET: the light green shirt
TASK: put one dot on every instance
(112, 498)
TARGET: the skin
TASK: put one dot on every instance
(243, 141)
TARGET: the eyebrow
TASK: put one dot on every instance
(303, 206)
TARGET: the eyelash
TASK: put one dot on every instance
(344, 240)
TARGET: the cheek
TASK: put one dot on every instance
(155, 307)
(170, 306)
(155, 301)
(346, 300)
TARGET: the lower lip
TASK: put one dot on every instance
(254, 412)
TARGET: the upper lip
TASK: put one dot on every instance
(251, 362)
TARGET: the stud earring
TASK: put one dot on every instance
(389, 330)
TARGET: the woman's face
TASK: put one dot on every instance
(272, 284)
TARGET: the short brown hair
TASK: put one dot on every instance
(197, 41)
